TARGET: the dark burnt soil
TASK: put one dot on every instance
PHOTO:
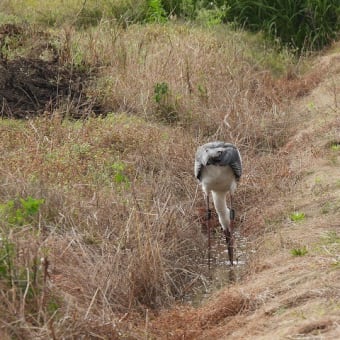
(31, 86)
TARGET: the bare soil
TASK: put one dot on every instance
(41, 82)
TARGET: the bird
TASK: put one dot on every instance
(218, 168)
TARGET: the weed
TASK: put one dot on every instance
(311, 105)
(318, 180)
(19, 213)
(299, 251)
(336, 264)
(297, 216)
(119, 176)
(166, 110)
(7, 254)
(281, 310)
(53, 305)
(161, 91)
(335, 146)
(15, 213)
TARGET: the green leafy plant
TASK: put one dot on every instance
(15, 213)
(299, 251)
(7, 253)
(20, 267)
(155, 12)
(19, 213)
(161, 91)
(297, 216)
(166, 109)
(119, 176)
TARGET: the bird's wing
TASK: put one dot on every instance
(198, 169)
(231, 156)
(204, 153)
(218, 153)
(198, 164)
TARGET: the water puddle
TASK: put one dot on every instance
(221, 273)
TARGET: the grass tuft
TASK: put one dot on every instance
(299, 251)
(297, 216)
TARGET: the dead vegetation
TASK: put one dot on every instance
(118, 230)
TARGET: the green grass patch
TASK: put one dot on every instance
(335, 146)
(20, 212)
(299, 251)
(297, 216)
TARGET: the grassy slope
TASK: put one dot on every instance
(118, 224)
(286, 296)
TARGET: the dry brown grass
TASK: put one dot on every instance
(119, 226)
(214, 88)
(190, 323)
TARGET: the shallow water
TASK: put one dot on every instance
(221, 273)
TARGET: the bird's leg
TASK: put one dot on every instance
(208, 208)
(232, 215)
(230, 233)
(208, 229)
(230, 245)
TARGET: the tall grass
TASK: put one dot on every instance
(302, 25)
(309, 24)
(137, 246)
(200, 72)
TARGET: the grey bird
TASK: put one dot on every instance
(218, 167)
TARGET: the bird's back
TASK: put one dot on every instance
(218, 166)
